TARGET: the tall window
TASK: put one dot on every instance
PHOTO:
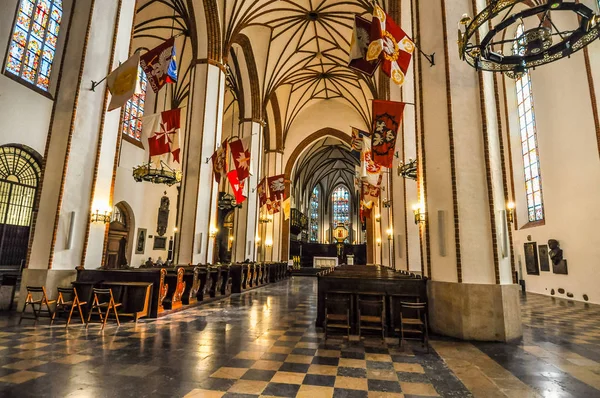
(531, 161)
(134, 110)
(341, 206)
(314, 215)
(33, 42)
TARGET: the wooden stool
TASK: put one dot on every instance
(99, 305)
(371, 312)
(68, 301)
(43, 300)
(337, 311)
(413, 324)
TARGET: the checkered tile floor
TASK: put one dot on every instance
(300, 364)
(261, 343)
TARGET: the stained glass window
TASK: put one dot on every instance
(314, 215)
(341, 206)
(529, 147)
(134, 110)
(33, 42)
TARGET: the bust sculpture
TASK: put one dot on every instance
(556, 253)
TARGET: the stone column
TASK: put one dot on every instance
(247, 216)
(274, 166)
(81, 146)
(199, 191)
(471, 295)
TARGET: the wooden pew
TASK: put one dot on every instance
(192, 283)
(213, 276)
(203, 281)
(176, 287)
(156, 276)
(369, 279)
(225, 284)
(236, 277)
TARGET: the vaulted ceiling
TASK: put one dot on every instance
(299, 49)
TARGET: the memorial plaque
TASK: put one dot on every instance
(544, 258)
(531, 260)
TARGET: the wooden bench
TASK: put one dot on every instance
(157, 276)
(364, 279)
(176, 287)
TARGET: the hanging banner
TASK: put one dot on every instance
(391, 45)
(219, 162)
(159, 65)
(359, 45)
(387, 116)
(276, 187)
(240, 152)
(124, 82)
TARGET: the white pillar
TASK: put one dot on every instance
(462, 188)
(81, 146)
(199, 192)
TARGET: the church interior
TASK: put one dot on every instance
(300, 198)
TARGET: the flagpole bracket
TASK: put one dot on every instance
(430, 58)
(95, 84)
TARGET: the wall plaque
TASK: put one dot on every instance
(544, 259)
(531, 259)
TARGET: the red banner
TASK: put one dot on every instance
(236, 186)
(387, 116)
(359, 45)
(261, 191)
(391, 45)
(276, 187)
(159, 65)
(240, 152)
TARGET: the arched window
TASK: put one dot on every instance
(33, 42)
(19, 178)
(341, 206)
(314, 215)
(134, 110)
(529, 148)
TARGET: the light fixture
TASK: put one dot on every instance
(378, 218)
(378, 241)
(231, 238)
(269, 243)
(540, 44)
(510, 213)
(265, 218)
(257, 240)
(390, 233)
(212, 232)
(157, 175)
(103, 217)
(420, 215)
(102, 212)
(175, 230)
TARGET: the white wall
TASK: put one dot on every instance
(570, 170)
(18, 103)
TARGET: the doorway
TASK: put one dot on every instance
(19, 178)
(120, 230)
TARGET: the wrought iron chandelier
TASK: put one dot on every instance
(157, 175)
(537, 45)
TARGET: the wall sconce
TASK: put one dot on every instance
(212, 232)
(257, 240)
(420, 215)
(390, 233)
(510, 214)
(175, 230)
(378, 218)
(231, 238)
(378, 241)
(269, 243)
(103, 217)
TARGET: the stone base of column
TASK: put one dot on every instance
(50, 279)
(475, 312)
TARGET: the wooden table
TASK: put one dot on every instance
(134, 297)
